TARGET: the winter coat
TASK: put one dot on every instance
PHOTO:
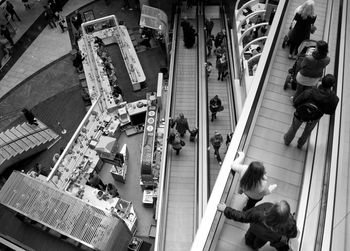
(181, 125)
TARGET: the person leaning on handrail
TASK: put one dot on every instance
(268, 223)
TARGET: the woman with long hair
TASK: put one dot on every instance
(312, 67)
(303, 20)
(268, 223)
(253, 181)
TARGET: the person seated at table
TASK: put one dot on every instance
(112, 191)
(95, 181)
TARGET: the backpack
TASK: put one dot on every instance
(307, 112)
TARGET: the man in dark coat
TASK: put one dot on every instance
(323, 98)
(209, 24)
(29, 117)
(268, 223)
(181, 124)
(11, 10)
(214, 106)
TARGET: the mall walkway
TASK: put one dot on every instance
(50, 45)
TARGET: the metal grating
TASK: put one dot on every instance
(60, 211)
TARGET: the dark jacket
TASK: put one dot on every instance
(312, 67)
(181, 125)
(324, 99)
(302, 28)
(256, 217)
(215, 104)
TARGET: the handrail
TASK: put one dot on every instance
(71, 141)
(239, 137)
(342, 77)
(239, 11)
(249, 16)
(231, 98)
(24, 136)
(164, 173)
(202, 106)
(250, 43)
(250, 29)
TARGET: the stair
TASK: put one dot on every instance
(22, 141)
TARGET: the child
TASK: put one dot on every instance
(193, 134)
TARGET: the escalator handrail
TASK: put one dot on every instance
(241, 131)
(163, 184)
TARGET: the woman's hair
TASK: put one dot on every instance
(253, 176)
(277, 216)
(321, 50)
(307, 9)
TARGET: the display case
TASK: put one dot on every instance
(119, 167)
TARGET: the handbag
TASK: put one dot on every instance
(182, 143)
(221, 108)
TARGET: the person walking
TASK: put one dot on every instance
(181, 125)
(11, 10)
(219, 52)
(311, 68)
(4, 31)
(310, 107)
(215, 106)
(177, 143)
(268, 223)
(209, 24)
(29, 117)
(253, 180)
(304, 19)
(222, 66)
(216, 142)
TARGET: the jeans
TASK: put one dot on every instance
(296, 123)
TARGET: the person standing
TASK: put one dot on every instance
(268, 223)
(222, 66)
(29, 117)
(216, 142)
(303, 19)
(193, 134)
(253, 181)
(181, 125)
(177, 144)
(209, 24)
(209, 44)
(311, 68)
(77, 20)
(6, 33)
(310, 106)
(11, 10)
(215, 107)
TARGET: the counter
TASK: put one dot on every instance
(120, 35)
